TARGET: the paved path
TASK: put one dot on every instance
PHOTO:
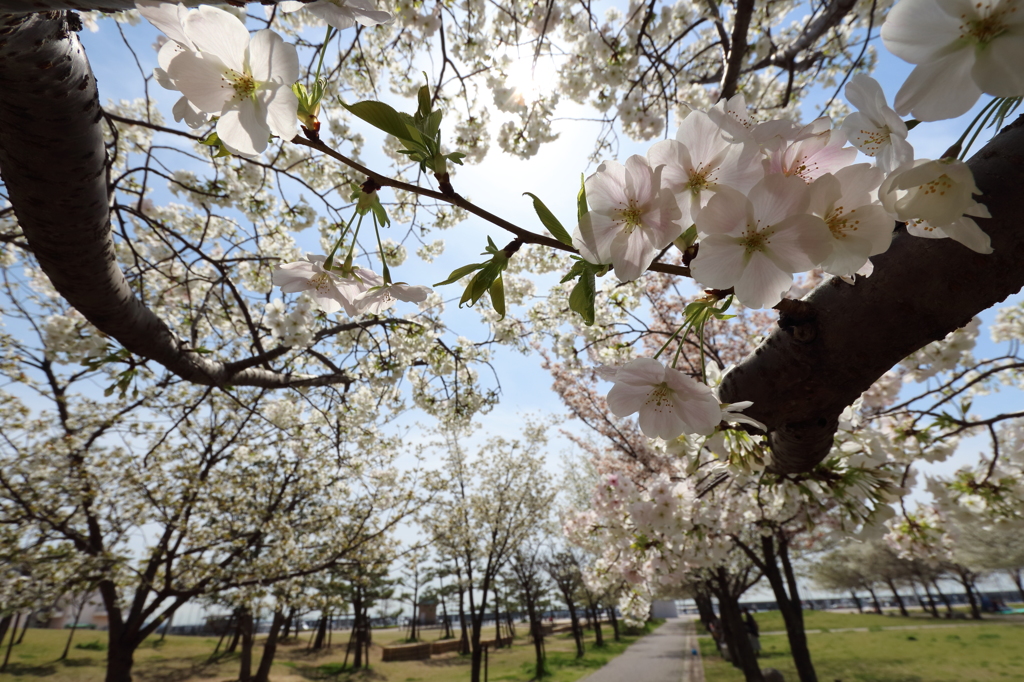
(662, 656)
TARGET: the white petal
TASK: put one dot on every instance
(728, 212)
(659, 420)
(918, 30)
(762, 284)
(219, 33)
(625, 399)
(272, 59)
(281, 105)
(243, 130)
(941, 89)
(997, 70)
(720, 261)
(201, 79)
(967, 232)
(166, 16)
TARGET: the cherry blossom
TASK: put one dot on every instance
(935, 199)
(875, 129)
(700, 160)
(756, 242)
(669, 402)
(331, 292)
(247, 83)
(170, 18)
(961, 48)
(631, 217)
(816, 149)
(859, 226)
(341, 14)
(377, 299)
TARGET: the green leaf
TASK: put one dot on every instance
(581, 199)
(456, 157)
(433, 124)
(577, 269)
(459, 273)
(581, 298)
(423, 99)
(549, 220)
(498, 296)
(382, 117)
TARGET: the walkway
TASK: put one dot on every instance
(669, 654)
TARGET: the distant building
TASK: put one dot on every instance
(62, 614)
(426, 612)
(664, 608)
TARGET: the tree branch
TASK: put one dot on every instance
(51, 137)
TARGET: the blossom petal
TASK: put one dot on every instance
(281, 104)
(940, 89)
(762, 284)
(720, 261)
(219, 33)
(243, 129)
(997, 69)
(272, 59)
(201, 78)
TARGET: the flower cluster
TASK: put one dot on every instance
(772, 199)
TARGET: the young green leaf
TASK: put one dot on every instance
(459, 273)
(581, 199)
(382, 117)
(549, 220)
(581, 298)
(498, 296)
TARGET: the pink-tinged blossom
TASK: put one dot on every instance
(936, 200)
(816, 150)
(631, 217)
(859, 226)
(310, 275)
(669, 402)
(962, 48)
(700, 161)
(247, 83)
(756, 242)
(383, 296)
(875, 128)
(341, 14)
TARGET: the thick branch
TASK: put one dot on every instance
(804, 375)
(53, 163)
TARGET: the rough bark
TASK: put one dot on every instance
(269, 648)
(51, 136)
(807, 371)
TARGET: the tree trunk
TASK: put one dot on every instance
(1015, 576)
(270, 648)
(735, 631)
(5, 623)
(932, 608)
(74, 626)
(856, 600)
(477, 655)
(874, 600)
(965, 580)
(899, 599)
(120, 660)
(465, 648)
(789, 604)
(615, 622)
(944, 598)
(321, 633)
(598, 635)
(577, 631)
(245, 628)
(10, 642)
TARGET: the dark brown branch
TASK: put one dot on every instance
(53, 163)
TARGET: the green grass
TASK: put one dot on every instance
(186, 659)
(959, 653)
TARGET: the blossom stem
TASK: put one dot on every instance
(958, 149)
(323, 53)
(329, 263)
(383, 256)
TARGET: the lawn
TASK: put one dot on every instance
(961, 652)
(186, 659)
